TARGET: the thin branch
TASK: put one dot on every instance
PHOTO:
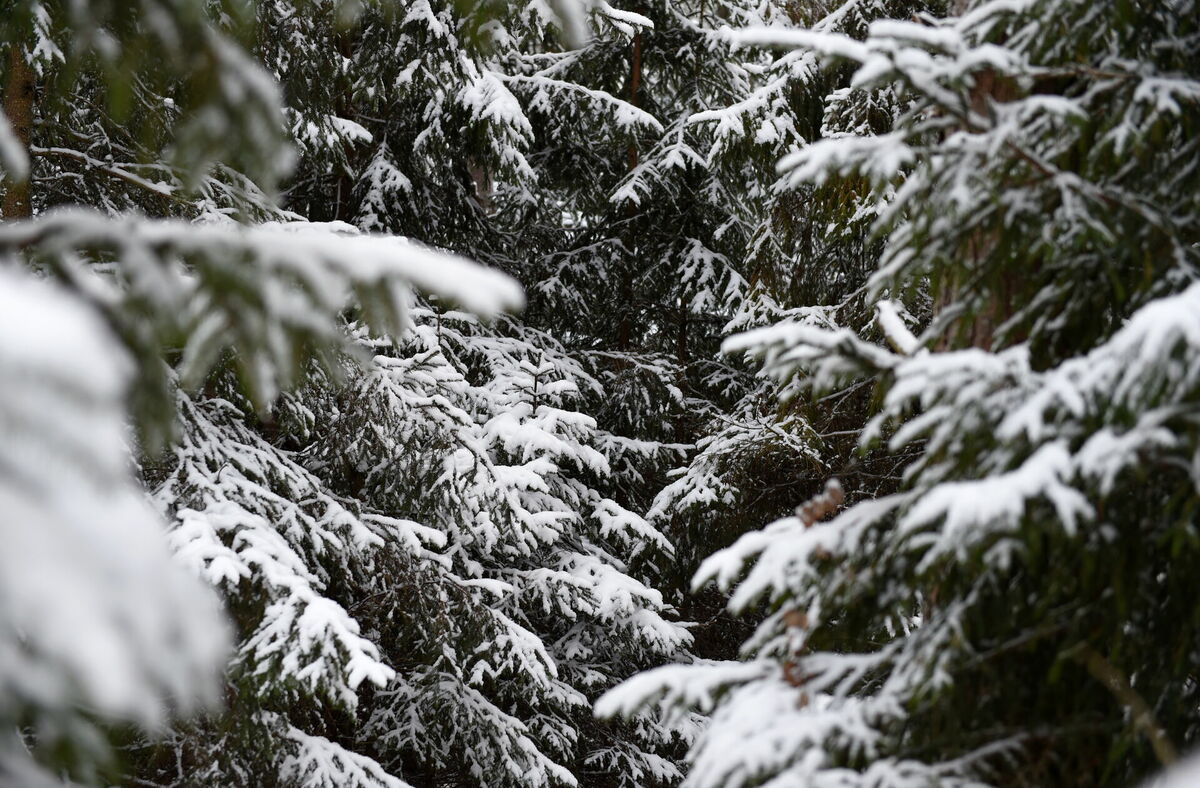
(1143, 717)
(161, 189)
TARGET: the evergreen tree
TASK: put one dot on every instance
(1016, 612)
(806, 259)
(964, 338)
(112, 316)
(480, 556)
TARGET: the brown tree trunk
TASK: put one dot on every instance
(625, 327)
(484, 187)
(988, 88)
(635, 85)
(345, 209)
(683, 431)
(18, 108)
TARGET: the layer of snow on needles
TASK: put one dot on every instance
(105, 619)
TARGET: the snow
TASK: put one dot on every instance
(319, 763)
(628, 22)
(1184, 774)
(197, 278)
(625, 115)
(572, 17)
(698, 685)
(496, 466)
(966, 512)
(996, 443)
(418, 507)
(402, 493)
(246, 517)
(93, 611)
(887, 313)
(953, 390)
(13, 159)
(323, 258)
(829, 44)
(880, 157)
(351, 130)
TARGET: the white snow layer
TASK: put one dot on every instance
(93, 611)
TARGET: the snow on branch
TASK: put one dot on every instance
(627, 116)
(317, 762)
(1135, 385)
(262, 289)
(249, 519)
(13, 160)
(322, 258)
(672, 686)
(887, 314)
(93, 612)
(828, 44)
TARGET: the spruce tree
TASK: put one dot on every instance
(187, 323)
(1015, 613)
(488, 625)
(805, 257)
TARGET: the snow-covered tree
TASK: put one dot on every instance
(423, 554)
(96, 623)
(172, 324)
(538, 607)
(1018, 611)
(116, 114)
(805, 254)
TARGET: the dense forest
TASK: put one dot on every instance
(599, 393)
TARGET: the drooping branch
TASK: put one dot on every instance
(112, 170)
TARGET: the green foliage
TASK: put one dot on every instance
(182, 82)
(1012, 613)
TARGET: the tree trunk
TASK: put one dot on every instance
(18, 108)
(484, 186)
(345, 209)
(635, 85)
(683, 431)
(625, 327)
(988, 88)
